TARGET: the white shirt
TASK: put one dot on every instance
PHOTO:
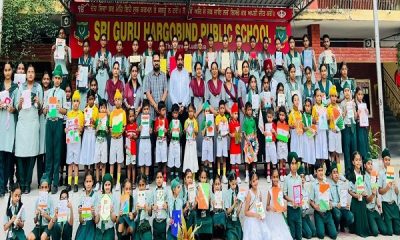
(179, 87)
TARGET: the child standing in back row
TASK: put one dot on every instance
(117, 128)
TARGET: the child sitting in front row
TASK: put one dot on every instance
(15, 215)
(308, 227)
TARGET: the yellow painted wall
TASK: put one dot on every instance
(344, 14)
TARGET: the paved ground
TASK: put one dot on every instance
(29, 201)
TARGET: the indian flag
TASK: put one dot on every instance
(117, 124)
(282, 132)
(203, 196)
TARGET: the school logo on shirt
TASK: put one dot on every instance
(280, 33)
(81, 32)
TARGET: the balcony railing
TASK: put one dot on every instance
(358, 4)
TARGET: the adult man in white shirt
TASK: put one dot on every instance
(179, 86)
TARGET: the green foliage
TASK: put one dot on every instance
(373, 144)
(25, 22)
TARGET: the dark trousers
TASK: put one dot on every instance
(376, 224)
(349, 144)
(25, 168)
(324, 223)
(342, 217)
(54, 140)
(5, 162)
(40, 166)
(295, 222)
(391, 216)
(308, 227)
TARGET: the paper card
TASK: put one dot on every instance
(26, 95)
(125, 203)
(304, 202)
(62, 215)
(343, 198)
(223, 128)
(255, 101)
(266, 99)
(268, 132)
(190, 131)
(311, 131)
(177, 220)
(278, 58)
(87, 209)
(225, 60)
(88, 116)
(119, 60)
(297, 63)
(360, 187)
(324, 197)
(43, 200)
(105, 207)
(82, 77)
(102, 121)
(203, 196)
(172, 64)
(323, 120)
(298, 123)
(159, 201)
(239, 66)
(19, 78)
(282, 130)
(349, 110)
(297, 194)
(141, 198)
(277, 199)
(163, 65)
(72, 134)
(5, 97)
(148, 65)
(117, 124)
(253, 55)
(210, 125)
(53, 112)
(187, 62)
(249, 153)
(307, 58)
(281, 99)
(242, 194)
(389, 174)
(134, 59)
(363, 114)
(175, 128)
(260, 209)
(211, 58)
(59, 53)
(191, 193)
(328, 57)
(374, 179)
(218, 200)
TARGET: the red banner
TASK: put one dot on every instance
(94, 19)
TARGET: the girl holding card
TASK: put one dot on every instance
(308, 227)
(175, 207)
(125, 219)
(309, 86)
(253, 60)
(160, 207)
(282, 143)
(280, 65)
(191, 128)
(308, 140)
(362, 125)
(197, 90)
(274, 214)
(324, 84)
(237, 56)
(224, 58)
(294, 58)
(358, 201)
(15, 215)
(86, 210)
(219, 217)
(319, 116)
(199, 56)
(105, 220)
(101, 65)
(233, 206)
(296, 127)
(122, 60)
(60, 227)
(188, 194)
(242, 83)
(308, 58)
(8, 100)
(203, 199)
(254, 226)
(133, 91)
(84, 61)
(292, 87)
(136, 59)
(27, 129)
(143, 208)
(63, 59)
(211, 56)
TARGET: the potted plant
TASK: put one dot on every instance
(186, 234)
(374, 148)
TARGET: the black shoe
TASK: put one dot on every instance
(25, 190)
(54, 189)
(68, 188)
(28, 189)
(75, 188)
(61, 181)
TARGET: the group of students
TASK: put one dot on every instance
(213, 210)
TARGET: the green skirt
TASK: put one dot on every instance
(106, 235)
(160, 229)
(17, 234)
(86, 231)
(360, 225)
(190, 218)
(219, 220)
(143, 231)
(233, 229)
(205, 223)
(61, 231)
(124, 219)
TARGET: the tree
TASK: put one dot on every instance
(26, 22)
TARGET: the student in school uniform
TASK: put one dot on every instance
(389, 192)
(327, 57)
(375, 220)
(199, 56)
(293, 209)
(145, 159)
(100, 157)
(126, 221)
(148, 53)
(189, 205)
(210, 56)
(203, 217)
(334, 134)
(362, 132)
(15, 217)
(175, 202)
(235, 141)
(222, 127)
(293, 57)
(323, 218)
(271, 157)
(132, 61)
(63, 62)
(143, 212)
(313, 68)
(308, 140)
(341, 214)
(254, 63)
(54, 129)
(324, 84)
(308, 227)
(174, 151)
(122, 60)
(207, 151)
(27, 129)
(101, 65)
(7, 131)
(358, 203)
(223, 51)
(85, 61)
(233, 206)
(238, 55)
(296, 127)
(160, 130)
(320, 119)
(160, 208)
(171, 53)
(308, 86)
(279, 67)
